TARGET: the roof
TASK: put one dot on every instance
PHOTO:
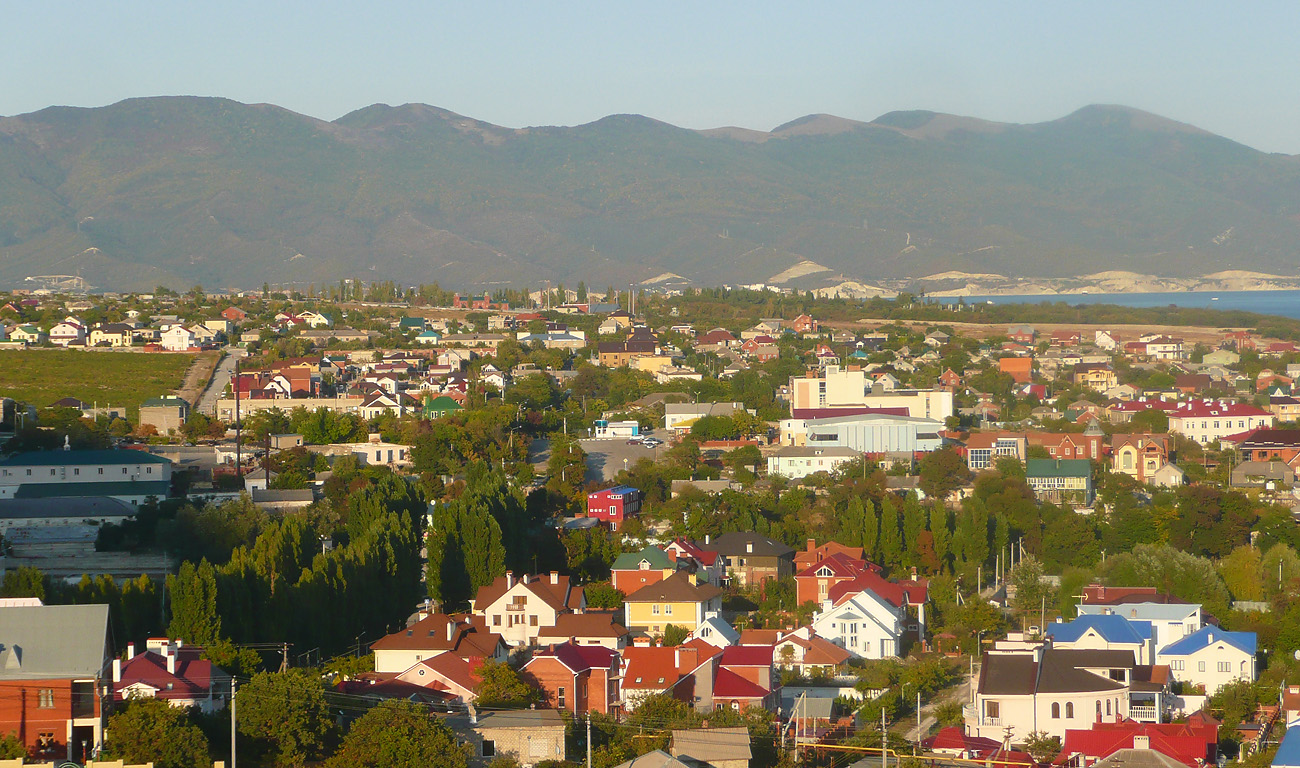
(729, 685)
(557, 595)
(520, 718)
(68, 507)
(589, 624)
(1113, 629)
(1059, 671)
(1058, 468)
(677, 588)
(1288, 754)
(157, 488)
(710, 745)
(655, 759)
(193, 677)
(62, 458)
(747, 656)
(896, 593)
(653, 556)
(578, 658)
(735, 543)
(955, 739)
(1207, 636)
(468, 636)
(45, 642)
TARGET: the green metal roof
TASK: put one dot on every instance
(631, 561)
(60, 458)
(1058, 468)
(157, 488)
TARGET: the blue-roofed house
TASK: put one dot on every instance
(1105, 633)
(1288, 754)
(1211, 657)
(1170, 621)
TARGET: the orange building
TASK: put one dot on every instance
(1021, 369)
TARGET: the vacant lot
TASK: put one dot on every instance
(41, 376)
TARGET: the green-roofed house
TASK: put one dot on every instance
(440, 406)
(428, 337)
(634, 570)
(131, 476)
(411, 324)
(1058, 480)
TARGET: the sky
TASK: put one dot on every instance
(1229, 68)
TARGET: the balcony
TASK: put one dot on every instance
(1144, 713)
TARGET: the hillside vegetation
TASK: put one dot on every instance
(184, 190)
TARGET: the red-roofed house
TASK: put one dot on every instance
(1192, 744)
(954, 741)
(869, 615)
(814, 583)
(579, 678)
(815, 554)
(447, 674)
(174, 672)
(466, 637)
(808, 654)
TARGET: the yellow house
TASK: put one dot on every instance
(678, 600)
(650, 363)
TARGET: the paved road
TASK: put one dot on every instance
(220, 378)
(604, 457)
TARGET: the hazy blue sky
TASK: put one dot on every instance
(1231, 68)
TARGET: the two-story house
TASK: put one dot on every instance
(1211, 657)
(436, 634)
(1139, 456)
(171, 671)
(750, 558)
(634, 570)
(577, 678)
(518, 608)
(679, 600)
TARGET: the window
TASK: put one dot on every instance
(1056, 710)
(560, 697)
(1225, 666)
(45, 698)
(532, 621)
(1200, 666)
(489, 748)
(101, 471)
(668, 609)
(654, 609)
(1069, 710)
(148, 470)
(1107, 707)
(29, 473)
(992, 709)
(51, 473)
(496, 619)
(76, 470)
(124, 470)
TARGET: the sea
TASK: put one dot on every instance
(1284, 303)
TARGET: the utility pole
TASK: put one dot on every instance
(884, 741)
(589, 738)
(238, 455)
(233, 730)
(918, 724)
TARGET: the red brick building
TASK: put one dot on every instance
(577, 678)
(52, 661)
(612, 506)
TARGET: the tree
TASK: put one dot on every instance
(943, 472)
(193, 593)
(1033, 591)
(891, 537)
(1042, 747)
(286, 715)
(12, 747)
(675, 635)
(602, 594)
(152, 730)
(399, 734)
(500, 686)
(24, 581)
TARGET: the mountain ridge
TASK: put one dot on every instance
(184, 190)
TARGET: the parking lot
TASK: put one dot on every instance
(605, 458)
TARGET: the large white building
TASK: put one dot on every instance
(1207, 421)
(836, 388)
(796, 462)
(867, 432)
(131, 476)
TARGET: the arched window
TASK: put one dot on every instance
(1069, 710)
(1107, 707)
(1098, 710)
(1056, 710)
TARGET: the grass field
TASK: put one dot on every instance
(41, 376)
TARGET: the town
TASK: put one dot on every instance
(683, 528)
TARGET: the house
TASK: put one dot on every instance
(435, 634)
(813, 554)
(814, 583)
(749, 558)
(712, 747)
(234, 314)
(519, 608)
(1206, 421)
(805, 652)
(1170, 618)
(983, 449)
(314, 319)
(577, 678)
(936, 339)
(1060, 480)
(1139, 456)
(799, 461)
(655, 759)
(615, 354)
(680, 417)
(1071, 445)
(53, 661)
(440, 406)
(589, 628)
(612, 506)
(68, 332)
(166, 414)
(1221, 357)
(111, 335)
(529, 736)
(680, 600)
(1049, 691)
(1193, 744)
(1063, 338)
(1098, 377)
(1211, 657)
(130, 476)
(868, 616)
(1107, 632)
(27, 334)
(716, 632)
(1022, 334)
(177, 338)
(634, 570)
(171, 671)
(1020, 369)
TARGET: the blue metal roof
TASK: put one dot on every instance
(1288, 754)
(1113, 629)
(1207, 636)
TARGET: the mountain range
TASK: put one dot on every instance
(180, 191)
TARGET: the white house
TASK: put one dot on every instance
(131, 476)
(1211, 657)
(1048, 690)
(28, 334)
(1206, 421)
(315, 319)
(865, 625)
(797, 462)
(1104, 633)
(68, 332)
(517, 608)
(177, 338)
(1170, 622)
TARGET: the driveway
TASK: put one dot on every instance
(220, 378)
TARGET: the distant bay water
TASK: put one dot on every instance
(1284, 303)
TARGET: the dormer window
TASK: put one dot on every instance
(823, 571)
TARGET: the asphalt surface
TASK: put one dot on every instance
(605, 458)
(220, 378)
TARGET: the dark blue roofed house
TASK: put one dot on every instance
(130, 476)
(1150, 697)
(1211, 657)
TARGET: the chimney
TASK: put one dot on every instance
(510, 579)
(451, 630)
(130, 651)
(117, 670)
(812, 544)
(555, 577)
(528, 579)
(473, 714)
(171, 661)
(914, 573)
(706, 538)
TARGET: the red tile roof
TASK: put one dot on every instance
(747, 656)
(729, 685)
(1192, 744)
(896, 594)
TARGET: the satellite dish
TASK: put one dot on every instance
(1297, 655)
